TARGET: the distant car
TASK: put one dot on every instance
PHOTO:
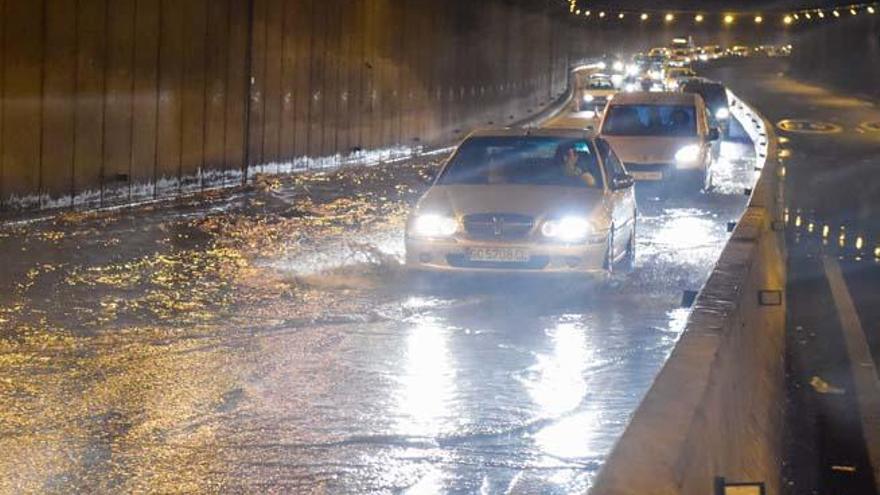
(715, 96)
(526, 201)
(676, 76)
(599, 89)
(679, 57)
(739, 51)
(663, 137)
(710, 52)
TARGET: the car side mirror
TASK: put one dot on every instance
(622, 181)
(714, 134)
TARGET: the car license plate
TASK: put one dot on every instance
(647, 175)
(503, 255)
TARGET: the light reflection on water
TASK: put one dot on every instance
(427, 381)
(560, 385)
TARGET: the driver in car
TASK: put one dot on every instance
(571, 168)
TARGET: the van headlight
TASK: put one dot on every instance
(433, 225)
(568, 229)
(589, 98)
(722, 114)
(688, 155)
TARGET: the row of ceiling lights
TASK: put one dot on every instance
(728, 18)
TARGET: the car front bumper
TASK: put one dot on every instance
(454, 256)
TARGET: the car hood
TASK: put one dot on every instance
(648, 149)
(600, 92)
(535, 201)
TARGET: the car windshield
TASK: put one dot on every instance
(530, 160)
(713, 94)
(650, 120)
(601, 84)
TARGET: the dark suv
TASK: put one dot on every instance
(715, 96)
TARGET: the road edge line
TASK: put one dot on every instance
(862, 366)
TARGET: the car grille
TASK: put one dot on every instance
(498, 226)
(534, 263)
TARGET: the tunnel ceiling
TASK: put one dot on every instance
(713, 5)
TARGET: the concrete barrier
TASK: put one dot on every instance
(716, 407)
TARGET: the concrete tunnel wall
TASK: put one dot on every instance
(844, 54)
(106, 102)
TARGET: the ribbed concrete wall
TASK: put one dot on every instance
(844, 53)
(110, 101)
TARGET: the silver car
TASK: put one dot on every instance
(526, 200)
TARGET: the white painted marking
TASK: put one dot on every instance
(862, 365)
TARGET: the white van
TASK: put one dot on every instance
(662, 137)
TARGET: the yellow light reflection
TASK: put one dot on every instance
(561, 386)
(427, 381)
(686, 232)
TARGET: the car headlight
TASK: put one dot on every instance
(632, 70)
(618, 66)
(629, 88)
(589, 98)
(688, 155)
(568, 229)
(601, 65)
(432, 225)
(722, 114)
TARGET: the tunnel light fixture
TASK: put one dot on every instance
(601, 15)
(728, 19)
(698, 18)
(669, 17)
(795, 17)
(807, 15)
(853, 11)
(860, 243)
(787, 20)
(621, 15)
(871, 9)
(759, 19)
(835, 13)
(588, 13)
(577, 12)
(821, 14)
(644, 17)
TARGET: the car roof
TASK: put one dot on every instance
(654, 98)
(702, 81)
(563, 133)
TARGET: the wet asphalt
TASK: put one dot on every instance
(268, 340)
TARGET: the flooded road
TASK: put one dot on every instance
(269, 341)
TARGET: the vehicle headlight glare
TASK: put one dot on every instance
(688, 155)
(568, 229)
(589, 98)
(618, 66)
(722, 114)
(432, 225)
(632, 70)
